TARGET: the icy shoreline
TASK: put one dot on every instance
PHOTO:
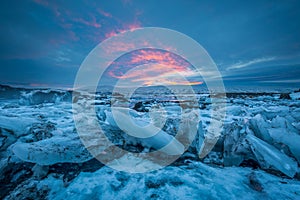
(41, 151)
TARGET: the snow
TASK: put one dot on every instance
(133, 164)
(295, 95)
(194, 181)
(37, 130)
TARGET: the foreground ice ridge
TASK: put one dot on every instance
(40, 148)
(192, 181)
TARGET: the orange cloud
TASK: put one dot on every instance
(172, 61)
(125, 27)
(167, 82)
(165, 58)
(163, 68)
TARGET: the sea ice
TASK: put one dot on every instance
(52, 151)
(270, 157)
(292, 140)
(160, 140)
(260, 128)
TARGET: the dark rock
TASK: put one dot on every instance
(140, 107)
(250, 163)
(7, 177)
(29, 189)
(284, 96)
(254, 183)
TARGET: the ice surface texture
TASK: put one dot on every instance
(260, 131)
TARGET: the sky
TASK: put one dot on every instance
(43, 42)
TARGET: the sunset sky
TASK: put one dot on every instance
(43, 42)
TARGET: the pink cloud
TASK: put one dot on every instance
(168, 82)
(52, 6)
(104, 13)
(163, 57)
(125, 27)
(93, 22)
(60, 15)
(164, 69)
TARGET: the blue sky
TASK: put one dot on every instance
(43, 43)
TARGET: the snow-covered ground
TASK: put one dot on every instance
(43, 157)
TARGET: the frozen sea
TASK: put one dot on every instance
(256, 156)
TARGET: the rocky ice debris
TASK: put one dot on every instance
(40, 171)
(295, 95)
(271, 158)
(160, 140)
(254, 140)
(235, 149)
(140, 107)
(38, 140)
(272, 143)
(285, 96)
(290, 139)
(52, 151)
(260, 128)
(18, 125)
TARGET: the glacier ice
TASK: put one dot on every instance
(43, 157)
(133, 164)
(260, 128)
(290, 139)
(52, 151)
(295, 95)
(17, 124)
(160, 140)
(270, 157)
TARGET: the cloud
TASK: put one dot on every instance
(145, 56)
(157, 74)
(104, 13)
(158, 67)
(273, 73)
(124, 27)
(162, 81)
(283, 81)
(240, 65)
(93, 22)
(77, 21)
(52, 6)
